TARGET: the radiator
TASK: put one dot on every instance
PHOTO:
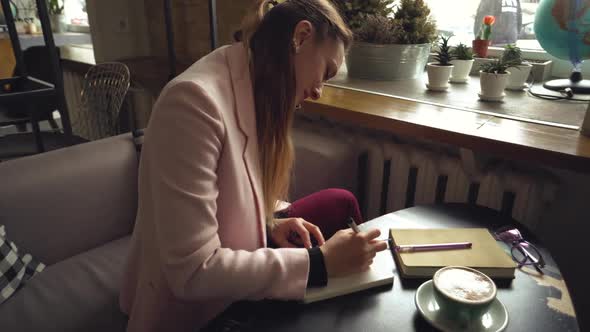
(415, 176)
(394, 176)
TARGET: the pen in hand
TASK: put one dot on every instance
(357, 230)
(353, 225)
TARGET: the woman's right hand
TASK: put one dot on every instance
(348, 252)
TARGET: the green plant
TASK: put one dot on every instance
(417, 27)
(354, 11)
(486, 27)
(408, 23)
(54, 7)
(512, 53)
(462, 52)
(378, 30)
(498, 66)
(443, 54)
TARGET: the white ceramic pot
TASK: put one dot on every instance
(438, 76)
(58, 23)
(518, 76)
(461, 69)
(492, 85)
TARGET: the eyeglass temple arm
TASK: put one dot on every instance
(536, 262)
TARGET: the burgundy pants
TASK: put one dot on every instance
(328, 209)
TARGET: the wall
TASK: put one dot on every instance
(135, 28)
(118, 29)
(191, 25)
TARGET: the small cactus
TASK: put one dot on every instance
(462, 52)
(443, 54)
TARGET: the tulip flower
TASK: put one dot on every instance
(486, 27)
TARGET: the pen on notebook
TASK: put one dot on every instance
(432, 246)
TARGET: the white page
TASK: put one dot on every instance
(380, 273)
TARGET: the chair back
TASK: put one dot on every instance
(103, 91)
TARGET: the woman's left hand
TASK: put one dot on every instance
(291, 232)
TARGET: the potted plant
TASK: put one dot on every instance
(520, 73)
(541, 70)
(493, 78)
(56, 15)
(462, 63)
(440, 71)
(482, 41)
(390, 44)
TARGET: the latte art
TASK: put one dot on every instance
(465, 285)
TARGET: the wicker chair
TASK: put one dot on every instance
(104, 88)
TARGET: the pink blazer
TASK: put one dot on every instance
(199, 241)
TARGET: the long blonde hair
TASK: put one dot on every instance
(268, 31)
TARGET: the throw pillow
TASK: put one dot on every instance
(15, 268)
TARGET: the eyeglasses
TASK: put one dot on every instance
(522, 251)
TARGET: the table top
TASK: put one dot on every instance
(534, 302)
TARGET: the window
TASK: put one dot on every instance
(514, 20)
(75, 12)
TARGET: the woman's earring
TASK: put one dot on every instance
(295, 47)
(298, 107)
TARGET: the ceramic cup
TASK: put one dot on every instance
(463, 294)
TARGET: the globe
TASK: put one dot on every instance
(562, 30)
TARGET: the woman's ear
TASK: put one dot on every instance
(303, 32)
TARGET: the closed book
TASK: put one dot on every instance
(485, 254)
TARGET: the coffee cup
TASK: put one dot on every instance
(463, 294)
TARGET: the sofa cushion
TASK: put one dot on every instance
(15, 267)
(64, 202)
(77, 294)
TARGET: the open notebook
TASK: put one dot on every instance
(380, 273)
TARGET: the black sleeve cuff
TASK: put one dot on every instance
(318, 276)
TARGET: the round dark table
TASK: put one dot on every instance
(534, 303)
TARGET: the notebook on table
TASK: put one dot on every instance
(379, 274)
(485, 255)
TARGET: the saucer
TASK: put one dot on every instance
(437, 88)
(459, 80)
(494, 320)
(486, 98)
(516, 88)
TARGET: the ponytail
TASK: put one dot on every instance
(267, 33)
(252, 20)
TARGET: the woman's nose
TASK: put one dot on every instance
(316, 93)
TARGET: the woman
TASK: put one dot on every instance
(215, 161)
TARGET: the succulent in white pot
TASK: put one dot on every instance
(462, 63)
(56, 15)
(440, 71)
(521, 70)
(493, 78)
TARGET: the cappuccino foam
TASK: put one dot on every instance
(465, 285)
